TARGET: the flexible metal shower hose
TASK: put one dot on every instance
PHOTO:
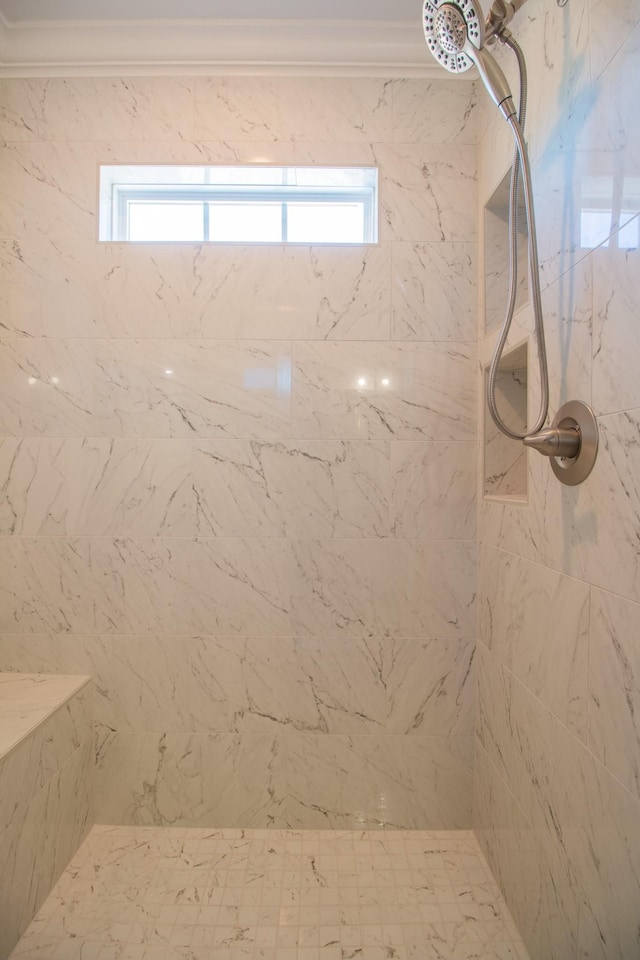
(520, 162)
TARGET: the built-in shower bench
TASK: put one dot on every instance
(45, 789)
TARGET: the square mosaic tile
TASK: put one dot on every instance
(157, 893)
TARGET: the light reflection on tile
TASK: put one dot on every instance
(403, 391)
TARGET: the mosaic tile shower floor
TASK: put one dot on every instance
(156, 893)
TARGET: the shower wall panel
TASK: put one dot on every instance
(557, 789)
(266, 564)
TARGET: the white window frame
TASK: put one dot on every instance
(123, 194)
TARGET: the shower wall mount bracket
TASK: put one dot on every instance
(571, 442)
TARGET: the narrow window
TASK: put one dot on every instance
(257, 204)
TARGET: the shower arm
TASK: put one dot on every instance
(501, 13)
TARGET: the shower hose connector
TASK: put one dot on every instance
(556, 442)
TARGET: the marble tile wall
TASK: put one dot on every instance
(268, 569)
(557, 797)
(46, 774)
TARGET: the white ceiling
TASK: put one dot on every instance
(56, 10)
(153, 37)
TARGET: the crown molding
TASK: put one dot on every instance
(188, 47)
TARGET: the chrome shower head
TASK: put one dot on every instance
(455, 32)
(449, 27)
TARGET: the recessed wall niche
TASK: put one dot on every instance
(505, 460)
(496, 253)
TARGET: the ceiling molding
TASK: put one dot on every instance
(296, 47)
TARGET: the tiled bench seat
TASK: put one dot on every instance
(45, 789)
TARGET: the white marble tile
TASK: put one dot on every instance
(560, 182)
(584, 143)
(144, 290)
(565, 528)
(504, 462)
(190, 780)
(145, 586)
(433, 490)
(616, 342)
(434, 293)
(585, 818)
(383, 588)
(320, 685)
(495, 148)
(568, 318)
(292, 292)
(347, 893)
(46, 387)
(494, 725)
(614, 686)
(434, 111)
(96, 108)
(73, 288)
(418, 687)
(560, 95)
(80, 288)
(212, 586)
(35, 486)
(327, 488)
(605, 549)
(193, 389)
(25, 865)
(38, 846)
(46, 585)
(252, 685)
(39, 653)
(592, 167)
(100, 487)
(48, 189)
(311, 153)
(402, 391)
(610, 27)
(27, 701)
(546, 913)
(309, 109)
(47, 288)
(143, 684)
(427, 192)
(31, 764)
(134, 488)
(368, 782)
(560, 110)
(609, 137)
(264, 685)
(536, 622)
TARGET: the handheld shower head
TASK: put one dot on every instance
(455, 33)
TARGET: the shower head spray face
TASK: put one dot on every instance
(455, 31)
(449, 28)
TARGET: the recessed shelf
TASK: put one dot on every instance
(496, 254)
(505, 460)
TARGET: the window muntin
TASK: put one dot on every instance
(257, 204)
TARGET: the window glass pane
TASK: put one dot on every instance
(165, 221)
(325, 222)
(248, 222)
(241, 204)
